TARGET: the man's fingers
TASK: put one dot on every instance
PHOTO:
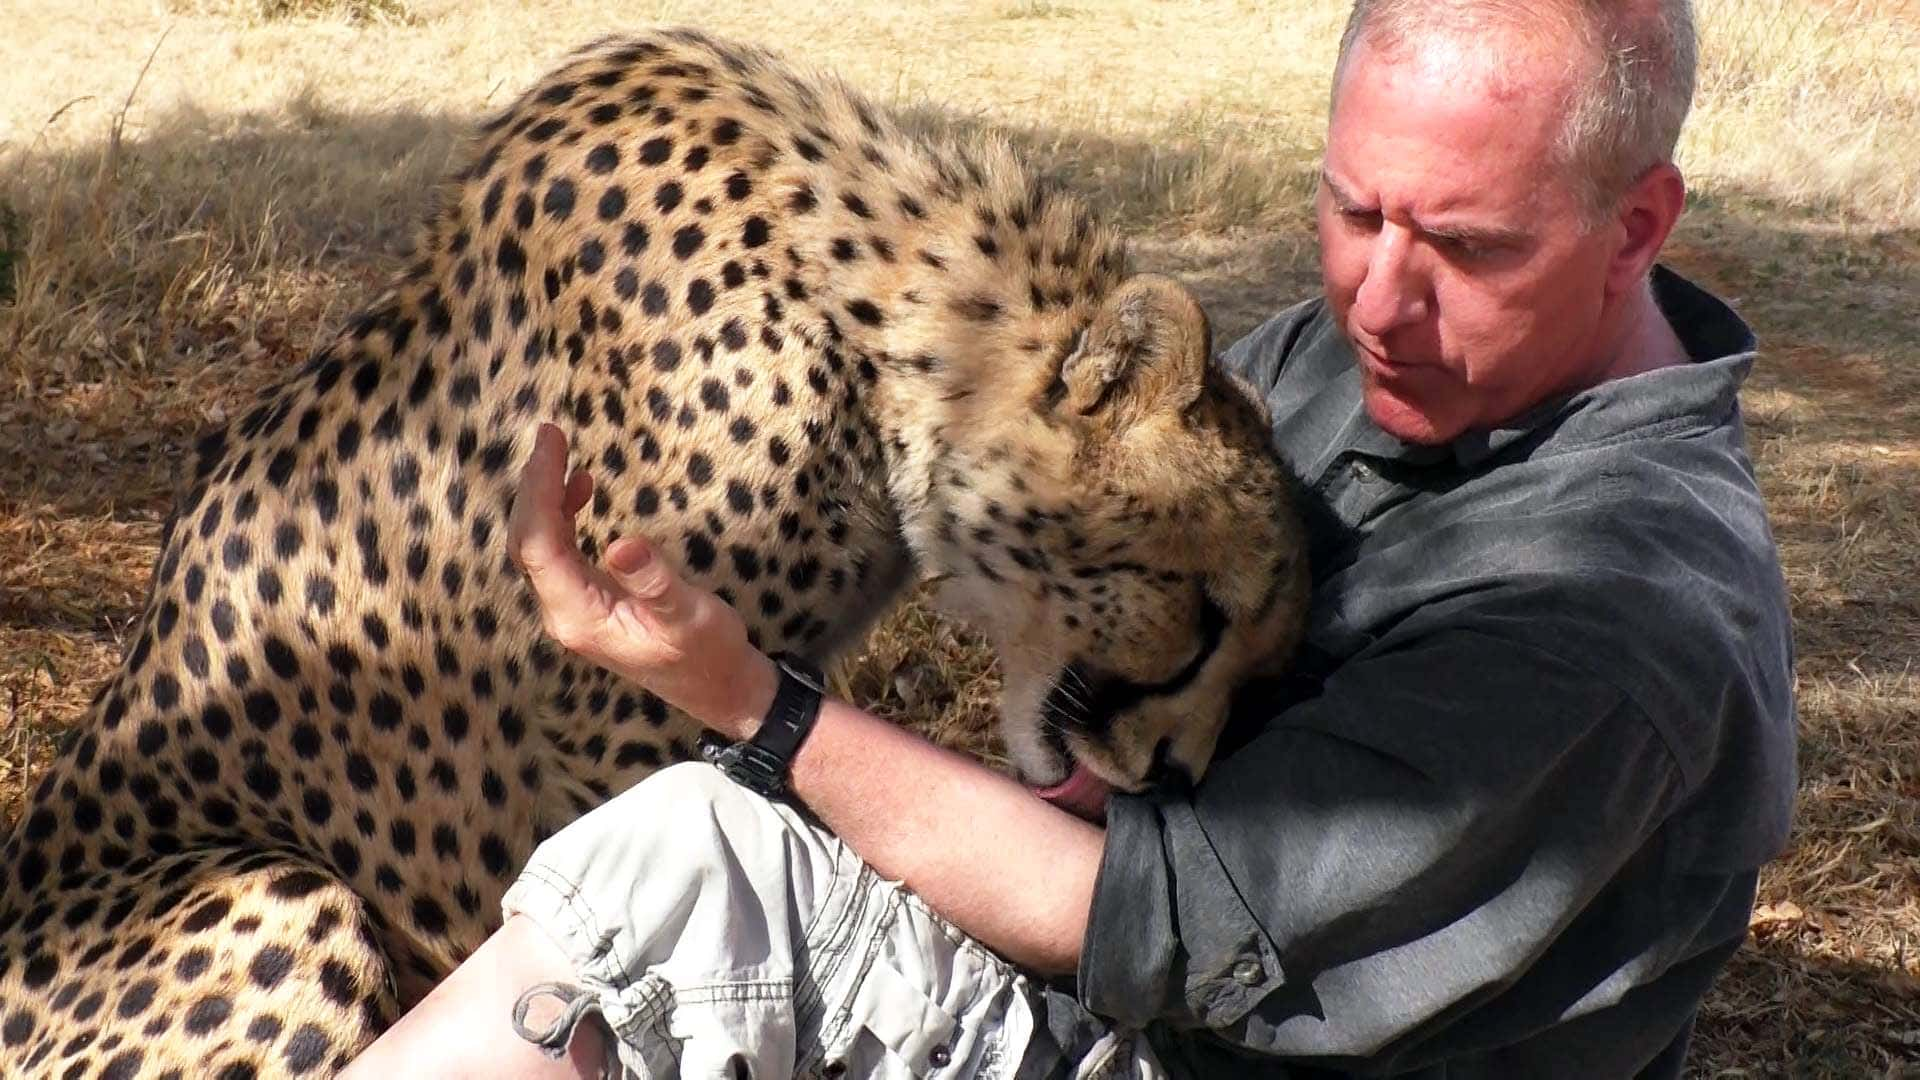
(579, 490)
(541, 531)
(632, 584)
(647, 578)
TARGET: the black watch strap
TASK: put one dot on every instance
(762, 763)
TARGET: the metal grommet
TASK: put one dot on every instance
(1248, 972)
(940, 1057)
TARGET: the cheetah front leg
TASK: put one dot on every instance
(221, 963)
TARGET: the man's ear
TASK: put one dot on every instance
(1145, 352)
(1645, 217)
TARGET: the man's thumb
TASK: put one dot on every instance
(643, 574)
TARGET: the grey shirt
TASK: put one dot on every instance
(1505, 817)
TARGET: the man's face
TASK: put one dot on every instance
(1454, 253)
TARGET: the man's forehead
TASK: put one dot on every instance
(1503, 67)
(1469, 126)
(1455, 60)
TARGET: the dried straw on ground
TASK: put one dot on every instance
(191, 191)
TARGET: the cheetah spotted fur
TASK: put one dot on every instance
(813, 358)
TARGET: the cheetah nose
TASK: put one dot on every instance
(1165, 773)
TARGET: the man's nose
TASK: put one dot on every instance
(1396, 291)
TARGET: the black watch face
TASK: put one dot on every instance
(754, 769)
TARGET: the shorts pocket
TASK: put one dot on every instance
(898, 1031)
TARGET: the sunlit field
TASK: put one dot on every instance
(192, 192)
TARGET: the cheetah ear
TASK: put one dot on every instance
(1144, 353)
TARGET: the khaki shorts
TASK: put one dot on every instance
(720, 934)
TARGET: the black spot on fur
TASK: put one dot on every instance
(613, 203)
(700, 552)
(687, 240)
(306, 1050)
(510, 258)
(207, 1014)
(262, 710)
(558, 202)
(700, 296)
(429, 915)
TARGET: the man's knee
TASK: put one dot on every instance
(694, 802)
(691, 781)
(672, 829)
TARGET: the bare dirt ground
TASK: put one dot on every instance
(192, 191)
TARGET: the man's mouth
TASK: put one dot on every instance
(1379, 361)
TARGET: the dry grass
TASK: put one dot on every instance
(170, 242)
(260, 11)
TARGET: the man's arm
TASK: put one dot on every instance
(980, 849)
(1409, 841)
(1383, 857)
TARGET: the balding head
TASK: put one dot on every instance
(1630, 70)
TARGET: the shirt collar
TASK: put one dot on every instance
(1719, 345)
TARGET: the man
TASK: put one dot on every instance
(1505, 820)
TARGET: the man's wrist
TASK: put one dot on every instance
(758, 684)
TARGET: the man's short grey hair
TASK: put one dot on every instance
(1627, 107)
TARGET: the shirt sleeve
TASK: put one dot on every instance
(1380, 857)
(1260, 356)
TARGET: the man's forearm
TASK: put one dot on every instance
(980, 849)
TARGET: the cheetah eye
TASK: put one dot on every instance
(1088, 699)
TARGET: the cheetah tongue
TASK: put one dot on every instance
(1083, 793)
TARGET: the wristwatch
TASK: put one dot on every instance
(761, 764)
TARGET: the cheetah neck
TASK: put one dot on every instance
(959, 324)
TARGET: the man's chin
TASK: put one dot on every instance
(1408, 419)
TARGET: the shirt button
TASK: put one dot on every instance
(939, 1057)
(1248, 972)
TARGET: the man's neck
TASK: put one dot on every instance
(1647, 340)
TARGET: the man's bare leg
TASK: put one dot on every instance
(464, 1028)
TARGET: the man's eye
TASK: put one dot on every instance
(1365, 218)
(1464, 249)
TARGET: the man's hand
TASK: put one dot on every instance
(633, 614)
(1000, 864)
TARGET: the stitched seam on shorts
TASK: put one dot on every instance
(831, 955)
(841, 904)
(645, 1024)
(565, 896)
(734, 993)
(828, 949)
(840, 858)
(603, 965)
(993, 972)
(960, 939)
(869, 956)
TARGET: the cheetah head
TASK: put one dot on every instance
(1136, 557)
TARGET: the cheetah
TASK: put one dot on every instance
(814, 358)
